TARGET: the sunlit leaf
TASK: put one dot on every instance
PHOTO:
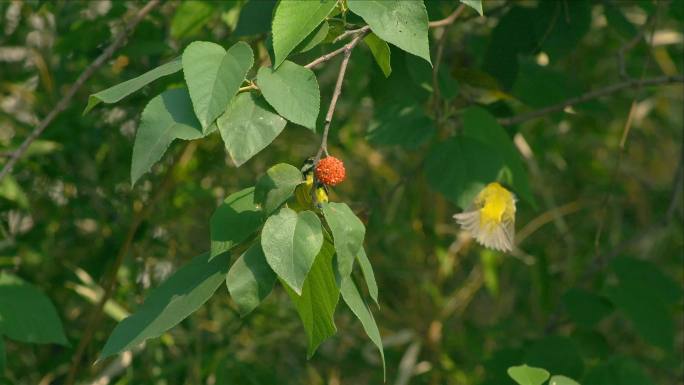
(277, 186)
(234, 221)
(291, 241)
(527, 375)
(347, 231)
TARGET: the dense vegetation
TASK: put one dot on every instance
(143, 204)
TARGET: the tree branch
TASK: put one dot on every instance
(85, 75)
(631, 83)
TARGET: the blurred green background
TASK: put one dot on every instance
(605, 312)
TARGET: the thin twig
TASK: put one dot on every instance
(447, 20)
(365, 29)
(360, 33)
(110, 281)
(440, 52)
(336, 94)
(66, 99)
(613, 88)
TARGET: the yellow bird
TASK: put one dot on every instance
(303, 191)
(491, 218)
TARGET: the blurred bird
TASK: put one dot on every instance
(491, 218)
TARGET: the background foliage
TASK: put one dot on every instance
(593, 293)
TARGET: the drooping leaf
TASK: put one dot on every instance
(276, 186)
(381, 52)
(318, 300)
(527, 375)
(347, 231)
(293, 91)
(26, 314)
(315, 38)
(121, 90)
(353, 299)
(190, 17)
(293, 21)
(166, 117)
(214, 75)
(460, 167)
(474, 4)
(368, 274)
(403, 23)
(557, 354)
(562, 380)
(250, 279)
(234, 221)
(481, 125)
(585, 308)
(170, 303)
(255, 18)
(291, 241)
(405, 126)
(248, 126)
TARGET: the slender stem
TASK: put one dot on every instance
(336, 94)
(85, 75)
(613, 88)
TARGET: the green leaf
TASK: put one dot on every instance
(121, 90)
(481, 125)
(539, 86)
(460, 167)
(474, 4)
(318, 300)
(617, 371)
(293, 91)
(277, 186)
(526, 375)
(291, 241)
(190, 17)
(585, 308)
(234, 221)
(643, 304)
(293, 21)
(557, 354)
(166, 117)
(381, 52)
(3, 357)
(214, 75)
(170, 303)
(255, 18)
(353, 299)
(248, 126)
(26, 314)
(560, 27)
(562, 380)
(405, 126)
(368, 274)
(10, 190)
(250, 279)
(315, 38)
(403, 23)
(348, 232)
(646, 273)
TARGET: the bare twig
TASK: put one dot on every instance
(360, 33)
(110, 281)
(611, 89)
(449, 19)
(336, 94)
(85, 75)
